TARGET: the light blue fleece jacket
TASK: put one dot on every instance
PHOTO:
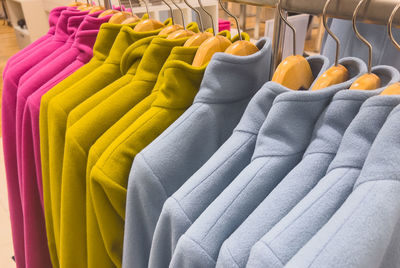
(328, 133)
(383, 50)
(365, 231)
(291, 233)
(280, 145)
(162, 167)
(186, 204)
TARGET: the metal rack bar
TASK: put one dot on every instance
(373, 12)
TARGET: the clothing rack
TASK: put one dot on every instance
(373, 12)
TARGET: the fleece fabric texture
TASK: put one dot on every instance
(105, 38)
(179, 211)
(291, 233)
(229, 83)
(126, 78)
(109, 177)
(60, 106)
(34, 222)
(277, 151)
(53, 18)
(82, 134)
(364, 232)
(116, 129)
(384, 51)
(74, 23)
(9, 106)
(326, 140)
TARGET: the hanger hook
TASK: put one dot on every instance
(288, 24)
(389, 27)
(360, 37)
(147, 8)
(232, 16)
(198, 14)
(180, 10)
(331, 33)
(171, 10)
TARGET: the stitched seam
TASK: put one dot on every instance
(319, 153)
(276, 155)
(376, 180)
(276, 256)
(209, 101)
(216, 168)
(200, 246)
(341, 226)
(155, 176)
(180, 206)
(233, 200)
(230, 254)
(245, 131)
(129, 136)
(177, 125)
(310, 206)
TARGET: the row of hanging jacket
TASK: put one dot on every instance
(131, 142)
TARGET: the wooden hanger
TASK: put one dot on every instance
(337, 73)
(368, 81)
(240, 47)
(210, 46)
(172, 28)
(294, 71)
(122, 15)
(199, 38)
(108, 11)
(76, 4)
(183, 32)
(393, 89)
(149, 24)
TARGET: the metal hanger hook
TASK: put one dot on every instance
(389, 26)
(147, 8)
(197, 12)
(171, 10)
(180, 10)
(360, 37)
(233, 16)
(331, 33)
(288, 24)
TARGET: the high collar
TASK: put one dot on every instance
(126, 37)
(383, 157)
(180, 81)
(63, 28)
(86, 35)
(74, 23)
(230, 78)
(363, 130)
(54, 15)
(261, 103)
(148, 61)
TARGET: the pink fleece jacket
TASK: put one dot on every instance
(72, 26)
(32, 202)
(9, 103)
(36, 77)
(53, 18)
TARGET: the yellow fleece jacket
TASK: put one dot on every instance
(105, 39)
(57, 111)
(83, 133)
(177, 85)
